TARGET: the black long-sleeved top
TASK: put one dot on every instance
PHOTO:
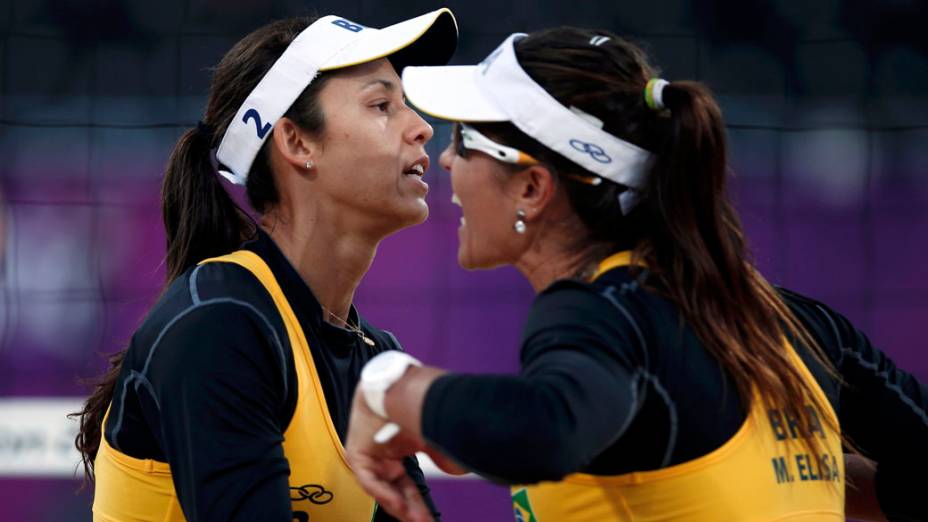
(613, 381)
(210, 389)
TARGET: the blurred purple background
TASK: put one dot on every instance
(827, 108)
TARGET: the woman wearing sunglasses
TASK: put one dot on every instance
(663, 378)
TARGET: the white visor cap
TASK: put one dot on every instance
(498, 89)
(332, 42)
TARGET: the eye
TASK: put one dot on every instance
(383, 106)
(457, 141)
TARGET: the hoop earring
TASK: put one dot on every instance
(520, 225)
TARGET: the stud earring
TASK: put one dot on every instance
(310, 165)
(520, 222)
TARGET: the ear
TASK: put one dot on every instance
(533, 190)
(294, 145)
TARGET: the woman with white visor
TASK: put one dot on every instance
(663, 378)
(232, 400)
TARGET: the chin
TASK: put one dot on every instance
(422, 212)
(468, 262)
(411, 215)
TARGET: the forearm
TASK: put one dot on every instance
(860, 494)
(405, 398)
(501, 427)
(550, 421)
(883, 411)
(527, 428)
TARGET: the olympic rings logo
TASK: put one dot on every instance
(595, 151)
(313, 493)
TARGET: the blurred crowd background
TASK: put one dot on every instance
(827, 110)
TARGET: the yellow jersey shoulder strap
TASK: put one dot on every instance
(250, 261)
(311, 443)
(257, 266)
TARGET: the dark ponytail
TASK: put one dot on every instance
(685, 229)
(201, 220)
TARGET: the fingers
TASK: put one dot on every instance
(415, 508)
(375, 452)
(406, 502)
(382, 491)
(394, 491)
(377, 479)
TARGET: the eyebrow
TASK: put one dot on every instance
(386, 84)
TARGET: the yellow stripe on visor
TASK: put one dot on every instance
(471, 139)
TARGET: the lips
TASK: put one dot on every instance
(457, 201)
(418, 167)
(415, 170)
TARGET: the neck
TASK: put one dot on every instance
(552, 253)
(548, 262)
(330, 259)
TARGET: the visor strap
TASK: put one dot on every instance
(501, 79)
(283, 83)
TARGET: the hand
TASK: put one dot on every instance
(379, 467)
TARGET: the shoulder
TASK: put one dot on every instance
(202, 288)
(835, 333)
(208, 282)
(829, 328)
(568, 299)
(206, 313)
(613, 299)
(209, 333)
(594, 318)
(227, 281)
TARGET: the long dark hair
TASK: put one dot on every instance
(685, 229)
(200, 218)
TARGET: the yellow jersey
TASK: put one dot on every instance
(322, 486)
(763, 473)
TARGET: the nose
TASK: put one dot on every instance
(447, 156)
(420, 132)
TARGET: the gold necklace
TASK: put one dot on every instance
(356, 328)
